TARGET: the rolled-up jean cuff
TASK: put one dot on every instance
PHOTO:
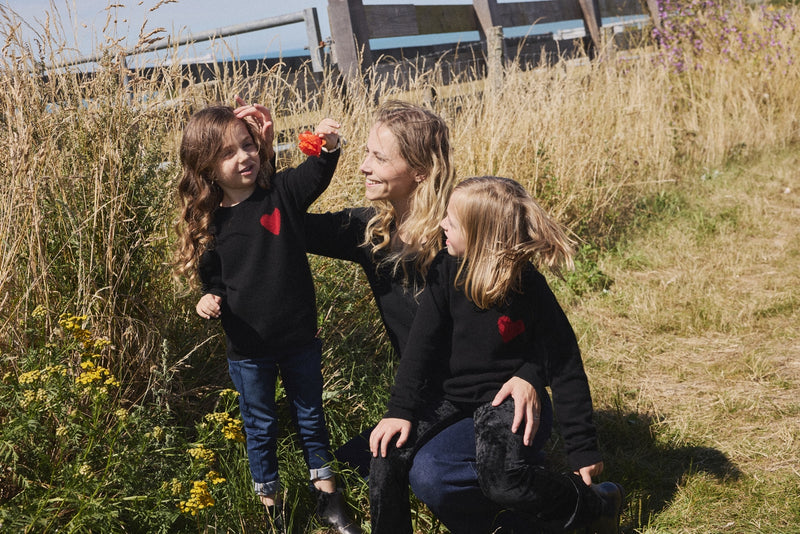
(267, 488)
(322, 473)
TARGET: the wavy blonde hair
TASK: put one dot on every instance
(504, 229)
(423, 139)
(204, 137)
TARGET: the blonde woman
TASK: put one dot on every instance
(408, 176)
(490, 312)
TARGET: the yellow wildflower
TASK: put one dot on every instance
(202, 454)
(214, 478)
(199, 498)
(39, 311)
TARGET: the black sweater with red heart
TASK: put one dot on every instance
(258, 263)
(529, 336)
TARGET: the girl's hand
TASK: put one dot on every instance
(385, 431)
(328, 130)
(209, 306)
(262, 118)
(526, 406)
(586, 473)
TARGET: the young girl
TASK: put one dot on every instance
(491, 311)
(241, 233)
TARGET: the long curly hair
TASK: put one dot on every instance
(198, 194)
(504, 229)
(423, 139)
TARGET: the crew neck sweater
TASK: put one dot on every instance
(258, 263)
(529, 336)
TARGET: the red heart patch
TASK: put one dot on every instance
(509, 329)
(272, 221)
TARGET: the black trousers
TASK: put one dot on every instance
(507, 473)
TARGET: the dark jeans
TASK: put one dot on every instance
(444, 476)
(255, 380)
(506, 471)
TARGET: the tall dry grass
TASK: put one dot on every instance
(88, 166)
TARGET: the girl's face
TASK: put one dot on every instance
(456, 238)
(237, 166)
(388, 176)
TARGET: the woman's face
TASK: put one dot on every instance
(388, 176)
(453, 229)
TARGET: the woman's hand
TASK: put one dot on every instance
(526, 406)
(209, 306)
(385, 431)
(262, 118)
(586, 473)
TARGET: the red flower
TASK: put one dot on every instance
(310, 144)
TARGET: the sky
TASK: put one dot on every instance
(83, 21)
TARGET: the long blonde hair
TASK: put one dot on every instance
(198, 194)
(423, 139)
(504, 229)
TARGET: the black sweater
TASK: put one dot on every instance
(340, 235)
(529, 337)
(258, 263)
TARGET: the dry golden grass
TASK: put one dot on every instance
(700, 333)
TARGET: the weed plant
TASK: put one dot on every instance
(120, 418)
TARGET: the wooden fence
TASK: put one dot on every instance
(353, 24)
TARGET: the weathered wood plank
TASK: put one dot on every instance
(397, 20)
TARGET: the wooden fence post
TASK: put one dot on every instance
(592, 21)
(488, 17)
(348, 22)
(314, 38)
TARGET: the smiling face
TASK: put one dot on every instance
(237, 165)
(453, 229)
(388, 175)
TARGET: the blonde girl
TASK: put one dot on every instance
(490, 312)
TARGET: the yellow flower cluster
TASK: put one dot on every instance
(29, 396)
(202, 454)
(199, 498)
(29, 377)
(93, 373)
(231, 428)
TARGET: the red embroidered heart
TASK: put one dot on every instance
(509, 329)
(272, 221)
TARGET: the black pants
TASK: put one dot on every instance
(507, 474)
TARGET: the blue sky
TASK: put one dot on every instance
(83, 20)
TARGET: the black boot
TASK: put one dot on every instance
(332, 510)
(612, 495)
(276, 523)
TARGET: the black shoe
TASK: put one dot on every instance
(612, 495)
(276, 523)
(332, 510)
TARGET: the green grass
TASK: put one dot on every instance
(682, 188)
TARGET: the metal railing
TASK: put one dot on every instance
(308, 16)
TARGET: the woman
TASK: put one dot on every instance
(408, 176)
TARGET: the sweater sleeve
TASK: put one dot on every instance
(335, 235)
(306, 182)
(210, 270)
(417, 375)
(567, 378)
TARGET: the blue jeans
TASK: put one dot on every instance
(444, 477)
(255, 381)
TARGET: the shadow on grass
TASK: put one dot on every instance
(650, 465)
